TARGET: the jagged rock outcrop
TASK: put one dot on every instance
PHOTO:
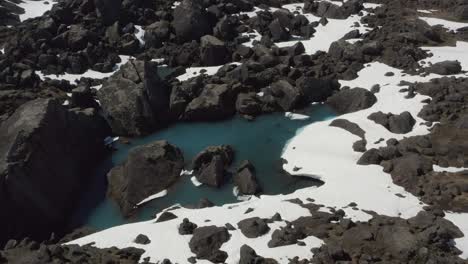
(210, 165)
(47, 151)
(135, 101)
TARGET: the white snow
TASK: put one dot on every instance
(195, 181)
(254, 36)
(371, 5)
(449, 53)
(140, 34)
(110, 140)
(34, 9)
(460, 220)
(186, 172)
(450, 25)
(295, 116)
(88, 74)
(152, 197)
(325, 35)
(437, 168)
(321, 152)
(195, 71)
(239, 196)
(164, 235)
(66, 102)
(424, 11)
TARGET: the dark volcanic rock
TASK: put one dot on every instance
(135, 100)
(216, 101)
(253, 227)
(206, 242)
(212, 51)
(210, 165)
(245, 179)
(149, 169)
(372, 156)
(108, 10)
(445, 68)
(316, 90)
(191, 21)
(351, 100)
(349, 126)
(28, 251)
(45, 155)
(249, 256)
(399, 124)
(156, 34)
(248, 104)
(142, 239)
(330, 10)
(360, 145)
(187, 227)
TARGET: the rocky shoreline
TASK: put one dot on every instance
(53, 130)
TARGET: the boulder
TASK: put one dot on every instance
(286, 96)
(135, 101)
(108, 10)
(245, 179)
(212, 51)
(351, 100)
(215, 102)
(461, 12)
(187, 227)
(371, 156)
(46, 157)
(142, 239)
(253, 227)
(349, 126)
(316, 90)
(249, 256)
(330, 10)
(278, 31)
(210, 165)
(398, 124)
(360, 145)
(248, 104)
(156, 34)
(191, 21)
(445, 68)
(408, 167)
(148, 169)
(207, 240)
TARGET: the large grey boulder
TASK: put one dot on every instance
(398, 124)
(445, 68)
(191, 21)
(134, 100)
(245, 179)
(213, 51)
(253, 227)
(210, 165)
(207, 240)
(46, 156)
(215, 102)
(148, 169)
(249, 256)
(351, 100)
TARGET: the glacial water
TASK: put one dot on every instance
(261, 142)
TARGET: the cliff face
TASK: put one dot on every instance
(46, 154)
